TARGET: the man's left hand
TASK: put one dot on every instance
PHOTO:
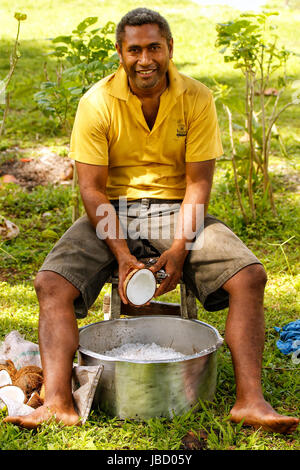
(172, 262)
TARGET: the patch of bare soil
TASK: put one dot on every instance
(12, 275)
(286, 175)
(46, 168)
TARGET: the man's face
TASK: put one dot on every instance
(145, 55)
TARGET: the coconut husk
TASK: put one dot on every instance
(35, 401)
(29, 383)
(192, 442)
(8, 230)
(42, 392)
(28, 370)
(67, 174)
(9, 367)
(9, 179)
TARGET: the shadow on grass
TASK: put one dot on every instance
(24, 119)
(19, 310)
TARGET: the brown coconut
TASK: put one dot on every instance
(29, 383)
(29, 370)
(9, 179)
(35, 401)
(126, 282)
(9, 367)
(42, 392)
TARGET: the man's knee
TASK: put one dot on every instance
(49, 283)
(252, 277)
(256, 275)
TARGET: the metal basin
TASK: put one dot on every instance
(139, 389)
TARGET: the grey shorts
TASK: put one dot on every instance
(85, 260)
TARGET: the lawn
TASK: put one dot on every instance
(43, 213)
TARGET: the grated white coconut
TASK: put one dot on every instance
(144, 352)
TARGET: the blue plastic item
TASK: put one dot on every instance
(289, 335)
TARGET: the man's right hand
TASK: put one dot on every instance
(92, 182)
(126, 263)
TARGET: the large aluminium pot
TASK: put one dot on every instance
(140, 389)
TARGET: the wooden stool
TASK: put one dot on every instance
(113, 307)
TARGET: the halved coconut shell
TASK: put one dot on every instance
(4, 378)
(11, 393)
(140, 286)
(17, 409)
(128, 277)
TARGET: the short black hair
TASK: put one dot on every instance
(139, 17)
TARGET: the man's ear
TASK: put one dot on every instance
(171, 48)
(119, 52)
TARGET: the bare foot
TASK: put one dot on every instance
(45, 414)
(260, 414)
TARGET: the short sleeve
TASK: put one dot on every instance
(203, 140)
(89, 135)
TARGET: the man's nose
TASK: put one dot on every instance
(145, 58)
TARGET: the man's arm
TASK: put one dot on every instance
(199, 178)
(92, 184)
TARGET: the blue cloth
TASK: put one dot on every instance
(288, 335)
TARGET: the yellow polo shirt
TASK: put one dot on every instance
(110, 129)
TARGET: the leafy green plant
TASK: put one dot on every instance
(83, 58)
(4, 84)
(251, 44)
(18, 302)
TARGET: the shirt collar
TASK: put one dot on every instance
(118, 85)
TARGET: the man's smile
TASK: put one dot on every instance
(146, 73)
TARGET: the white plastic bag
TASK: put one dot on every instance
(84, 383)
(23, 353)
(20, 351)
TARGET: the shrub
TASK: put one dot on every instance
(251, 44)
(83, 58)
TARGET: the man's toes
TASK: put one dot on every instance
(292, 426)
(13, 420)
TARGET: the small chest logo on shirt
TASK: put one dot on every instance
(181, 130)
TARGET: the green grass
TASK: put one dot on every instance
(194, 33)
(20, 311)
(200, 59)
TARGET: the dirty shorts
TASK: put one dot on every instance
(85, 260)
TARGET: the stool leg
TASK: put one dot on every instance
(115, 302)
(188, 305)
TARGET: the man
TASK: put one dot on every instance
(149, 134)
